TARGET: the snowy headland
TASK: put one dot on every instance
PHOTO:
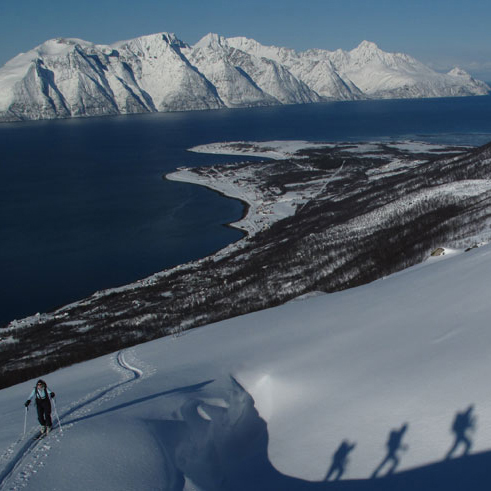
(263, 209)
(267, 205)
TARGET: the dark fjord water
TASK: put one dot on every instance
(84, 206)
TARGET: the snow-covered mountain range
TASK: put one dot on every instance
(71, 77)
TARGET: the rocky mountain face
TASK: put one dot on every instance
(366, 71)
(243, 79)
(313, 67)
(71, 77)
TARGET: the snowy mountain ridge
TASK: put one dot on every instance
(373, 72)
(159, 72)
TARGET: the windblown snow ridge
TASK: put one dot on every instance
(70, 77)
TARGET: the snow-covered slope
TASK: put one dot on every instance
(72, 77)
(162, 72)
(69, 77)
(245, 79)
(265, 400)
(396, 75)
(233, 85)
(316, 71)
(366, 70)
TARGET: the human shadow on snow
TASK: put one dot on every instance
(464, 422)
(340, 461)
(226, 448)
(394, 447)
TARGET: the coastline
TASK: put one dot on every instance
(184, 176)
(175, 177)
(261, 209)
(265, 205)
(352, 193)
(320, 124)
(250, 223)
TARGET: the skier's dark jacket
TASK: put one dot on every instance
(41, 394)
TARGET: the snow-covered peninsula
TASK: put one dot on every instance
(263, 208)
(267, 205)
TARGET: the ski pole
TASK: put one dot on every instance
(56, 414)
(25, 421)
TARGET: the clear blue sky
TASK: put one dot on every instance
(441, 33)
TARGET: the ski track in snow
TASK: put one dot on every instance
(27, 456)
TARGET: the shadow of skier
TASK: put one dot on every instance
(463, 422)
(394, 445)
(340, 461)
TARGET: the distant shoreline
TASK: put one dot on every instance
(245, 204)
(188, 177)
(321, 124)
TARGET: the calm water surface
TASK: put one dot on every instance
(83, 205)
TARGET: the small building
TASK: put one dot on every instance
(438, 252)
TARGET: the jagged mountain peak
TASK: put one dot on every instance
(369, 52)
(157, 39)
(244, 70)
(211, 40)
(245, 42)
(253, 47)
(459, 72)
(367, 46)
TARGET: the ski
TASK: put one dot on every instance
(41, 434)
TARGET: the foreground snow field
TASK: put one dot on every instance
(263, 401)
